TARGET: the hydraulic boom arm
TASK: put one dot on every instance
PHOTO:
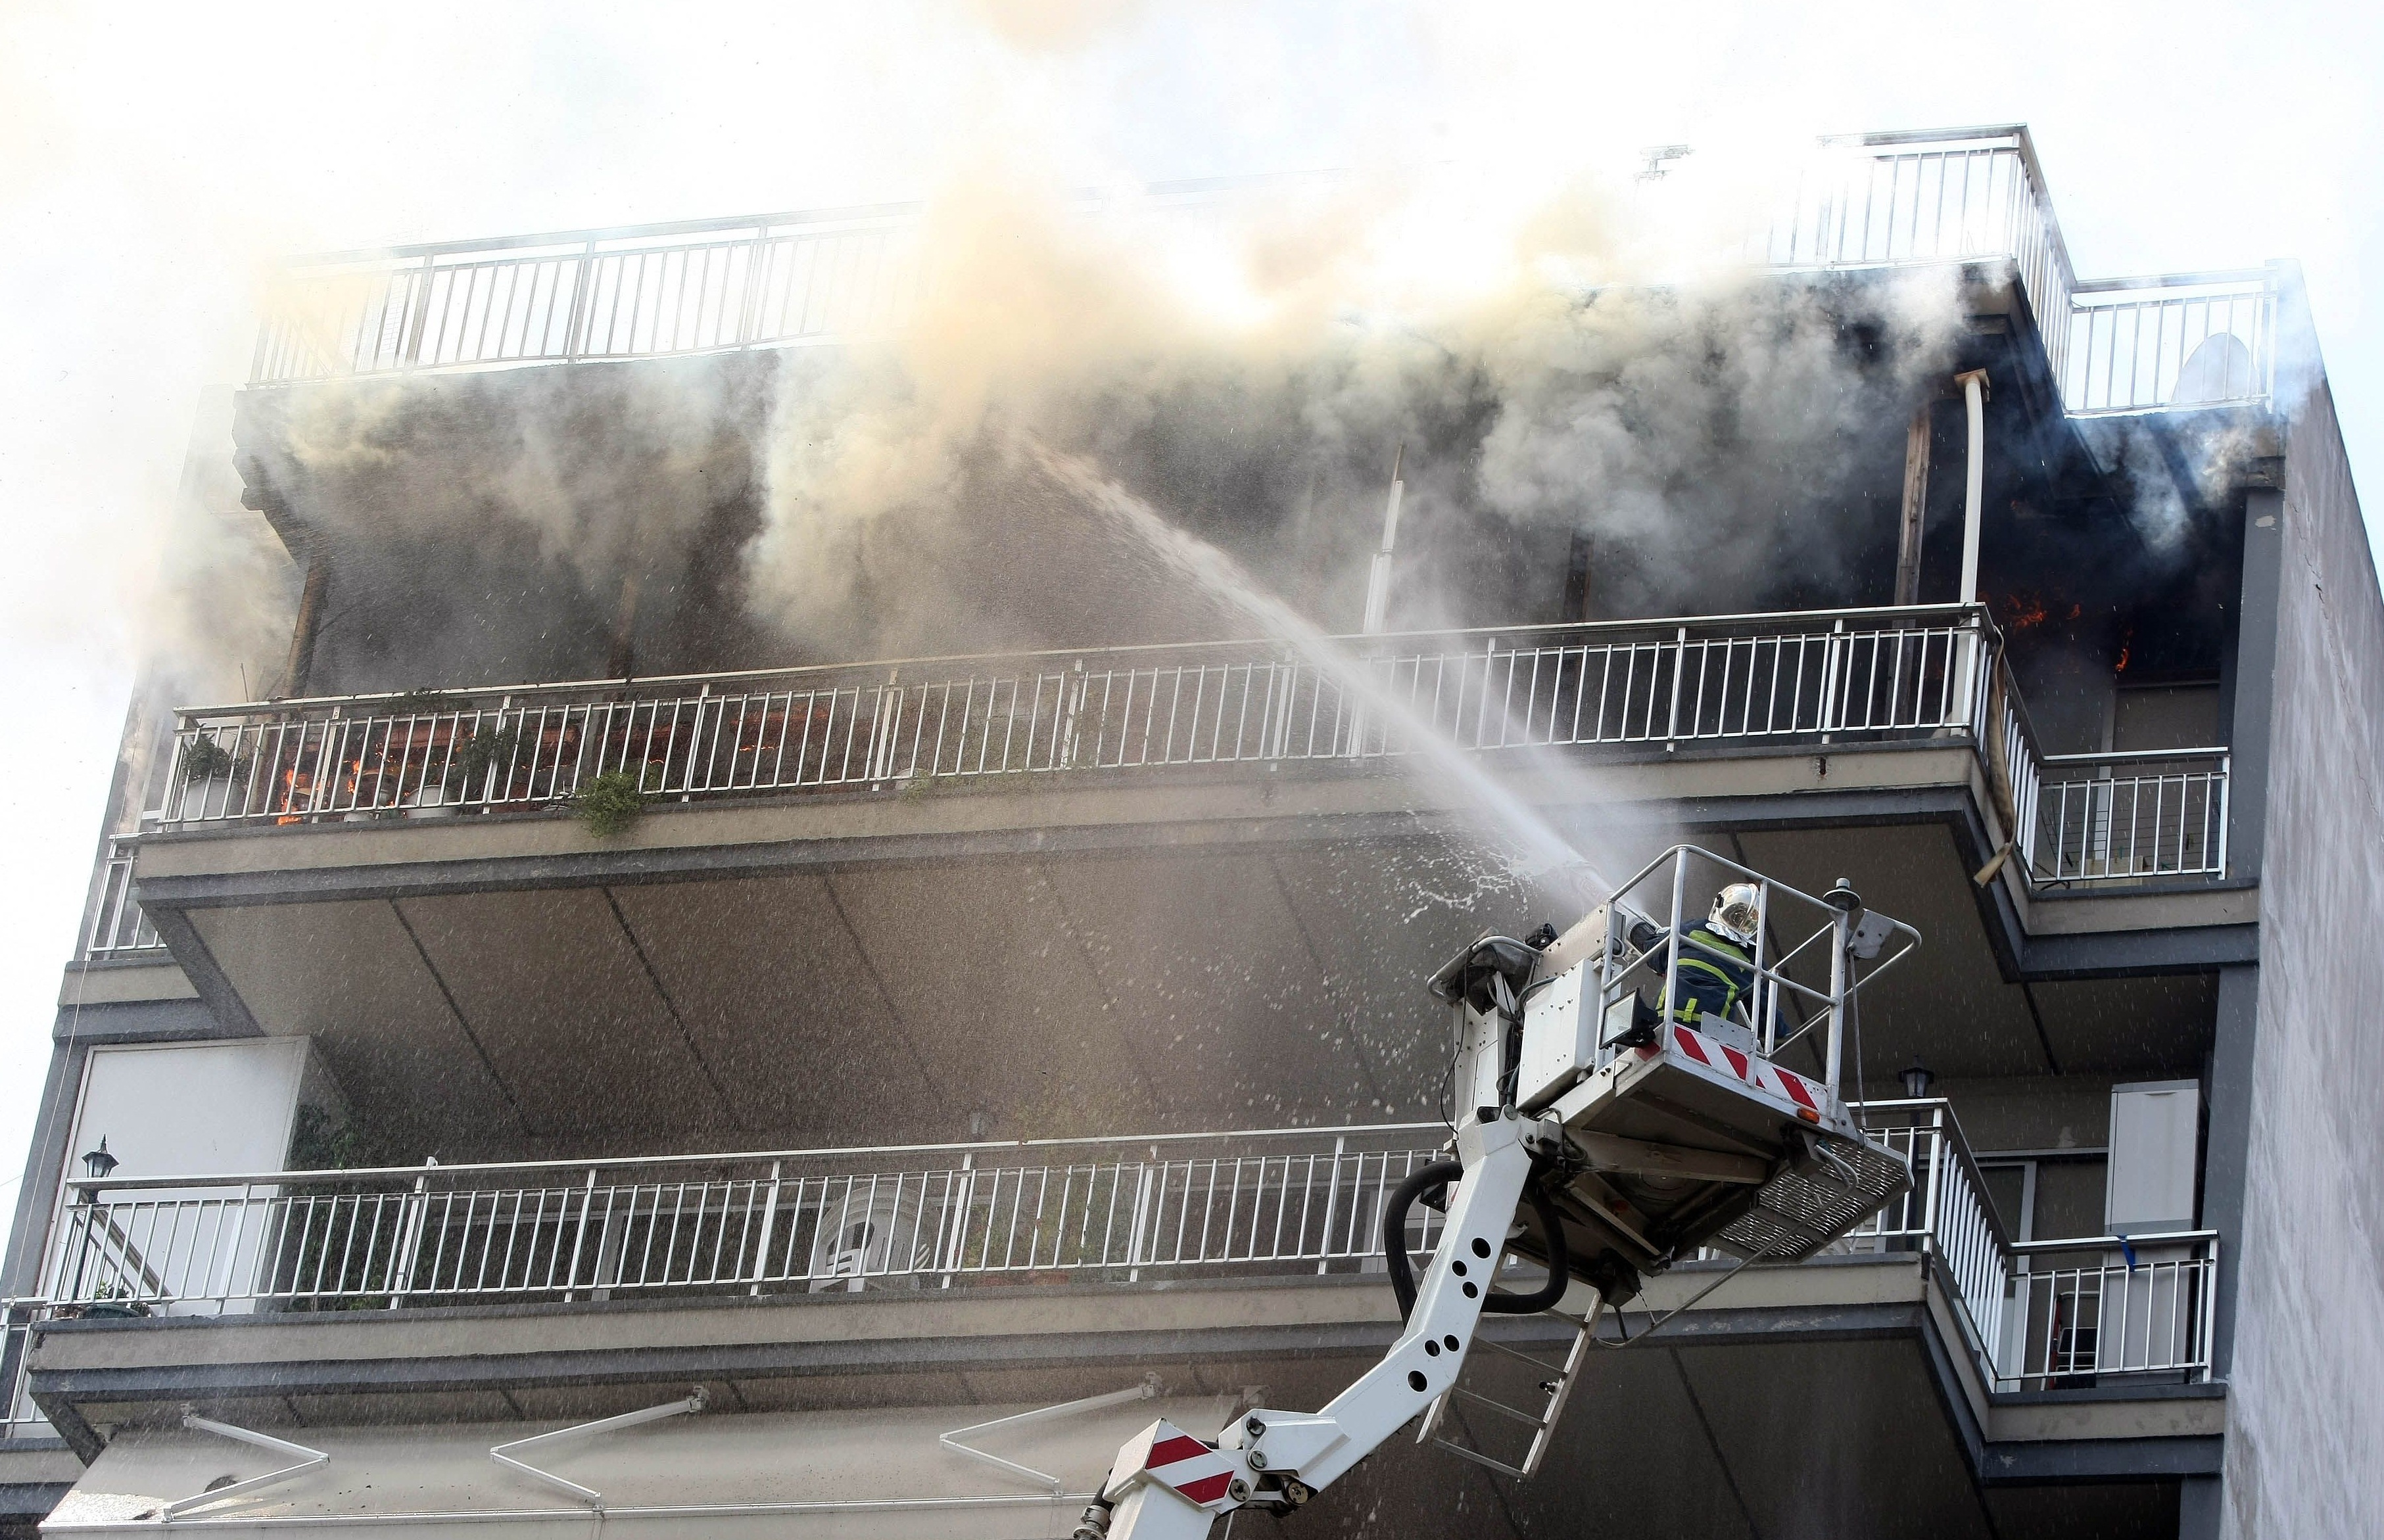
(1167, 1485)
(1638, 1134)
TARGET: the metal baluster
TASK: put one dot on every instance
(769, 1226)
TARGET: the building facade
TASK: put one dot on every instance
(560, 997)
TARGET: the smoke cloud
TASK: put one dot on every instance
(1253, 362)
(153, 164)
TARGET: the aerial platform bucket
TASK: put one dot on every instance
(1683, 1129)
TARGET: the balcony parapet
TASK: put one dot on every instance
(1966, 195)
(1927, 676)
(117, 929)
(2052, 1314)
(2113, 346)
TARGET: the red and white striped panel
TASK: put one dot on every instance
(1191, 1469)
(1764, 1075)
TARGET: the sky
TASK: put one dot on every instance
(155, 160)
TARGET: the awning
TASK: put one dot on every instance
(864, 1475)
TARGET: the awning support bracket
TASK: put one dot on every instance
(507, 1455)
(1143, 1392)
(308, 1459)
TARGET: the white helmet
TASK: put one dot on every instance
(1735, 912)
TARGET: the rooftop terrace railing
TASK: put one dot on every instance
(1031, 1212)
(693, 287)
(2178, 341)
(2112, 345)
(648, 292)
(689, 286)
(1930, 198)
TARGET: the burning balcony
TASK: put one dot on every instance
(1821, 683)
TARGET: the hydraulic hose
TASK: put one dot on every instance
(1439, 1173)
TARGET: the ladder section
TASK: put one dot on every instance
(1553, 1382)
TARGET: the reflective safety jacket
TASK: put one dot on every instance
(1715, 973)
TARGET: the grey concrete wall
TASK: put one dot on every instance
(2309, 1345)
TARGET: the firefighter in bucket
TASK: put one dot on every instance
(1715, 970)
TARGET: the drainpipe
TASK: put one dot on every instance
(1989, 726)
(1378, 581)
(1974, 399)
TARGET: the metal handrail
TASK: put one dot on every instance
(1028, 1211)
(1820, 677)
(2168, 820)
(117, 927)
(2029, 1325)
(672, 288)
(2129, 756)
(2113, 345)
(807, 276)
(1943, 614)
(1883, 674)
(20, 1418)
(944, 1151)
(915, 1216)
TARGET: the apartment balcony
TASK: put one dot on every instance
(1714, 689)
(1971, 197)
(803, 1280)
(1077, 848)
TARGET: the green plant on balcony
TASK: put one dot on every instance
(114, 1302)
(485, 750)
(420, 701)
(610, 804)
(204, 760)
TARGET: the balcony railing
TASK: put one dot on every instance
(815, 1221)
(930, 1217)
(1781, 682)
(2181, 340)
(20, 1418)
(828, 275)
(2049, 1315)
(2111, 817)
(117, 927)
(2113, 345)
(1950, 195)
(649, 291)
(1811, 677)
(701, 285)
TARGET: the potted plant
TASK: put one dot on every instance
(440, 788)
(209, 777)
(489, 748)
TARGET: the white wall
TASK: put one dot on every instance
(188, 1110)
(191, 1109)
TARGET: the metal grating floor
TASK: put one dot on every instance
(1798, 1213)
